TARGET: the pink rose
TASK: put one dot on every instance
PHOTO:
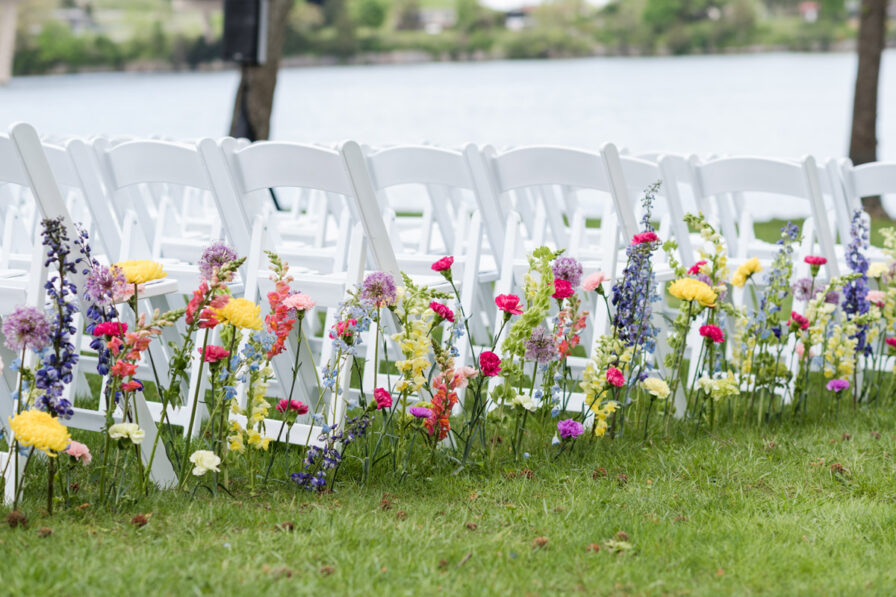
(594, 281)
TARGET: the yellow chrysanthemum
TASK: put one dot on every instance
(689, 289)
(241, 313)
(141, 271)
(743, 273)
(41, 430)
(656, 387)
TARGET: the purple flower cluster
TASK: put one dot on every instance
(636, 288)
(569, 269)
(379, 289)
(215, 256)
(103, 284)
(570, 429)
(56, 367)
(540, 346)
(320, 459)
(855, 292)
(804, 290)
(26, 327)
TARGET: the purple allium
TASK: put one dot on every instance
(570, 429)
(569, 269)
(420, 412)
(215, 256)
(838, 385)
(27, 327)
(103, 284)
(540, 346)
(379, 289)
(804, 288)
(832, 297)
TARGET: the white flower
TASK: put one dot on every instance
(129, 430)
(526, 402)
(877, 269)
(205, 461)
(657, 387)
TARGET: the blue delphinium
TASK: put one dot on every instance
(319, 459)
(56, 369)
(636, 290)
(855, 292)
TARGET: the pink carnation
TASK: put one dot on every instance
(695, 269)
(797, 320)
(562, 289)
(713, 332)
(443, 264)
(593, 281)
(509, 303)
(79, 452)
(442, 311)
(645, 237)
(615, 377)
(877, 297)
(489, 363)
(110, 328)
(815, 260)
(383, 398)
(891, 342)
(299, 301)
(296, 406)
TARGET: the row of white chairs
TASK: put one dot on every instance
(344, 215)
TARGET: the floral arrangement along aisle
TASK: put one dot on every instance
(393, 382)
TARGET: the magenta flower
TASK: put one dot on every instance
(838, 385)
(420, 412)
(570, 429)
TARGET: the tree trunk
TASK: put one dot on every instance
(255, 96)
(863, 142)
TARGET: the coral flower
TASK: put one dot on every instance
(141, 271)
(123, 369)
(131, 386)
(40, 430)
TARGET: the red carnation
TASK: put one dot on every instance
(891, 342)
(695, 269)
(797, 321)
(509, 303)
(296, 406)
(615, 377)
(645, 237)
(442, 311)
(815, 260)
(213, 353)
(110, 328)
(489, 363)
(383, 398)
(562, 289)
(713, 332)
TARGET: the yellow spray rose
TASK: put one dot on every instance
(140, 271)
(40, 429)
(745, 271)
(241, 313)
(689, 289)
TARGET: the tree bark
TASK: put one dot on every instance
(863, 141)
(255, 96)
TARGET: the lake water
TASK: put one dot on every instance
(768, 104)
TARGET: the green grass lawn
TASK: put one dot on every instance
(733, 512)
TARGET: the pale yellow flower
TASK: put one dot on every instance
(127, 430)
(656, 387)
(204, 461)
(877, 269)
